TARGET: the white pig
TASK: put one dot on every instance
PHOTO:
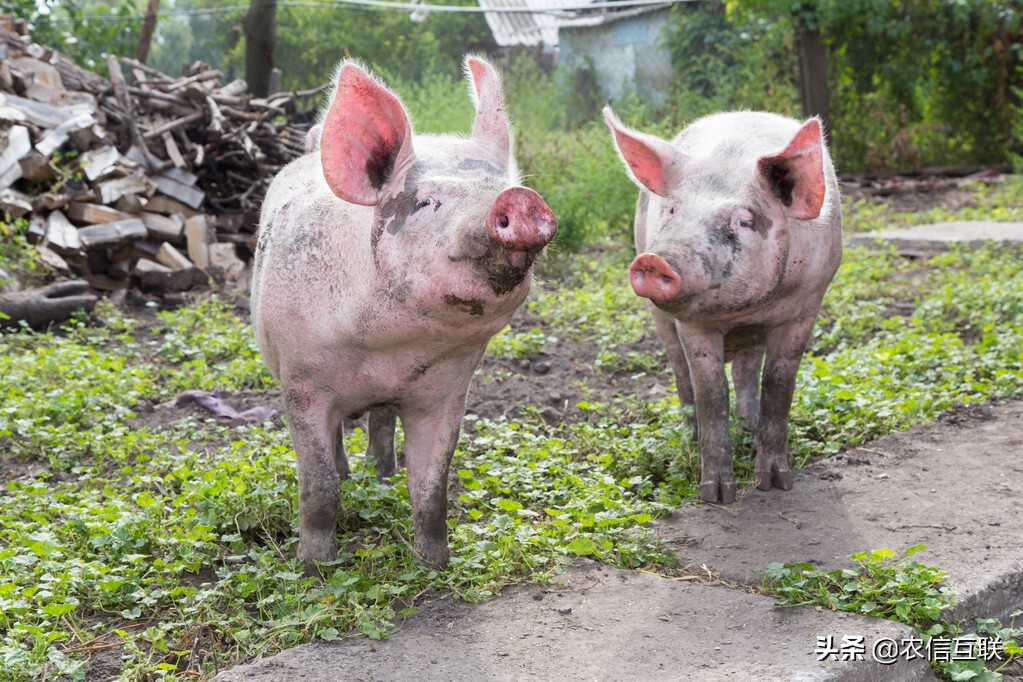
(385, 263)
(738, 234)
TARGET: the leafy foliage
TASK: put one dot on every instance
(904, 76)
(84, 29)
(886, 585)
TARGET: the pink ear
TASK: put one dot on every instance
(366, 143)
(796, 174)
(653, 162)
(490, 128)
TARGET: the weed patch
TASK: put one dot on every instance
(887, 585)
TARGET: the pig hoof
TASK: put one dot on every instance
(434, 557)
(774, 479)
(718, 491)
(316, 550)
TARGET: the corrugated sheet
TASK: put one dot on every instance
(528, 28)
(606, 17)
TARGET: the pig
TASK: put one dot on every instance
(738, 232)
(385, 262)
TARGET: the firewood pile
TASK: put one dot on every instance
(139, 179)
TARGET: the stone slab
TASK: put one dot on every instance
(943, 236)
(599, 623)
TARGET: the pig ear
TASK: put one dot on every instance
(366, 140)
(796, 174)
(490, 129)
(652, 162)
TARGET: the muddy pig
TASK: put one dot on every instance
(738, 234)
(385, 262)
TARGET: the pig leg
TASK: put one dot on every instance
(746, 366)
(664, 324)
(430, 439)
(705, 352)
(785, 346)
(319, 453)
(381, 442)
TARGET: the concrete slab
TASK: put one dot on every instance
(942, 236)
(601, 624)
(954, 486)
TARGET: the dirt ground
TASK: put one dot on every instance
(551, 383)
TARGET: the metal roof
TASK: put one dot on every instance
(536, 22)
(606, 17)
(528, 28)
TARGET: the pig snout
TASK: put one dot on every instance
(519, 220)
(652, 277)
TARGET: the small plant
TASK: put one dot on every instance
(887, 585)
(17, 256)
(901, 590)
(519, 345)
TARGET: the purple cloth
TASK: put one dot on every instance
(219, 408)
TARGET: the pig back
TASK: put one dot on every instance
(310, 252)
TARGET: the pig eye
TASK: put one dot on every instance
(423, 203)
(742, 218)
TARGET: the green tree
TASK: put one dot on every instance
(84, 29)
(902, 84)
(311, 41)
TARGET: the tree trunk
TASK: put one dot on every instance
(260, 25)
(148, 26)
(813, 66)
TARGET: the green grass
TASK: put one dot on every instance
(159, 537)
(884, 584)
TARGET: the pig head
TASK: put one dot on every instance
(385, 262)
(738, 234)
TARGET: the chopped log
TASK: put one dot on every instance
(172, 258)
(14, 204)
(55, 138)
(37, 167)
(52, 260)
(167, 127)
(45, 84)
(135, 183)
(44, 115)
(94, 214)
(181, 175)
(172, 150)
(212, 74)
(130, 204)
(97, 163)
(225, 256)
(104, 282)
(119, 270)
(167, 206)
(164, 228)
(190, 196)
(145, 265)
(86, 138)
(112, 234)
(197, 235)
(18, 144)
(61, 235)
(36, 229)
(50, 201)
(155, 278)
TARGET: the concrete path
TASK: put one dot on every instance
(954, 486)
(940, 236)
